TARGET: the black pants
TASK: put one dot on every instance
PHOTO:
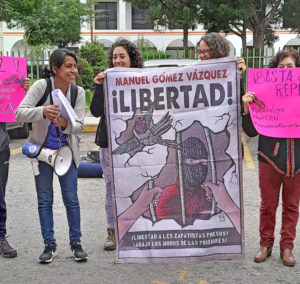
(4, 163)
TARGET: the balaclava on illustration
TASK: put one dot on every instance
(194, 175)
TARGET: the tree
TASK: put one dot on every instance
(95, 54)
(49, 22)
(291, 14)
(262, 15)
(85, 74)
(174, 14)
(9, 9)
(220, 15)
(238, 16)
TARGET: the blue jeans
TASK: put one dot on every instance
(104, 160)
(44, 188)
(4, 159)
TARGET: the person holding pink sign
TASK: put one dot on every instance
(5, 249)
(279, 165)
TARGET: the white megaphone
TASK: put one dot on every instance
(60, 160)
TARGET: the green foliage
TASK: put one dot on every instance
(148, 52)
(48, 22)
(221, 15)
(95, 54)
(88, 99)
(291, 14)
(10, 10)
(238, 16)
(85, 74)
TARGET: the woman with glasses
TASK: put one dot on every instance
(212, 45)
(278, 166)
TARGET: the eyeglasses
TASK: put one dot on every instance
(204, 51)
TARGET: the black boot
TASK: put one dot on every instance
(6, 250)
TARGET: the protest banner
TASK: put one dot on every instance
(12, 74)
(276, 112)
(175, 147)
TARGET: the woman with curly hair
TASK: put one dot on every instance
(212, 45)
(123, 53)
(279, 165)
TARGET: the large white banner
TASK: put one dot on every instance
(174, 135)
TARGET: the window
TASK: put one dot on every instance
(141, 19)
(107, 17)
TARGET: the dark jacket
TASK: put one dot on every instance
(97, 109)
(282, 153)
(4, 139)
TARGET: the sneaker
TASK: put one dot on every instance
(48, 253)
(6, 250)
(110, 243)
(79, 253)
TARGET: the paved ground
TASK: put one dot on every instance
(24, 235)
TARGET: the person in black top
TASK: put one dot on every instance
(5, 249)
(123, 53)
(279, 165)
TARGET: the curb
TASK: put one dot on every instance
(90, 128)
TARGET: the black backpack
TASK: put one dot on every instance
(74, 93)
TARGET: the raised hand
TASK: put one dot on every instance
(99, 77)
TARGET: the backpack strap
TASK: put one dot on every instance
(74, 93)
(43, 98)
(46, 93)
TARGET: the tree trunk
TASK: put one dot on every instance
(185, 40)
(258, 44)
(91, 20)
(244, 39)
(259, 30)
(244, 42)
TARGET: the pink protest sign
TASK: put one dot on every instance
(12, 73)
(279, 90)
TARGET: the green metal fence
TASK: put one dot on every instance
(34, 62)
(253, 58)
(262, 56)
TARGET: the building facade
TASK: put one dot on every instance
(121, 19)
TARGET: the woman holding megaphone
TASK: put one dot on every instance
(51, 130)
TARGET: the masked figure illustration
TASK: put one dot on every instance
(197, 199)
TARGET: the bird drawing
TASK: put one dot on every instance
(146, 135)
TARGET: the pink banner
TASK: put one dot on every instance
(12, 73)
(276, 110)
